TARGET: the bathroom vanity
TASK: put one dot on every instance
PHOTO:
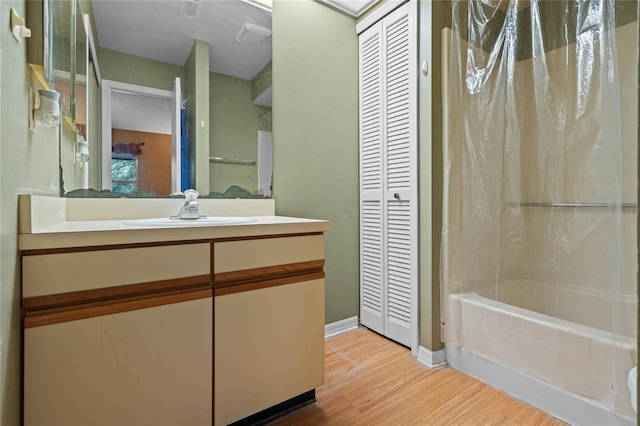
(132, 323)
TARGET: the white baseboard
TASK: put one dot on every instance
(566, 406)
(341, 326)
(430, 358)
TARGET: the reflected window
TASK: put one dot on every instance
(124, 175)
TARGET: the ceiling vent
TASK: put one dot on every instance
(190, 8)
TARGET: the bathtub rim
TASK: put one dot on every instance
(502, 359)
(566, 406)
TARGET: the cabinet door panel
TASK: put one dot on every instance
(67, 272)
(269, 347)
(145, 367)
(240, 255)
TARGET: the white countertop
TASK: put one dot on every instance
(114, 232)
(58, 232)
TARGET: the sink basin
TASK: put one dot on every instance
(209, 221)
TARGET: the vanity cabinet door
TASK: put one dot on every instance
(248, 255)
(118, 336)
(142, 367)
(268, 323)
(269, 347)
(83, 270)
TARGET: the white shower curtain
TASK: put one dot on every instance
(540, 159)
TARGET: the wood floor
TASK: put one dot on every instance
(370, 380)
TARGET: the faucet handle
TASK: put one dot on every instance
(190, 195)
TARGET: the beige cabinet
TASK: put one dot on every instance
(268, 323)
(118, 336)
(132, 334)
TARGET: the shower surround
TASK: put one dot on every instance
(538, 261)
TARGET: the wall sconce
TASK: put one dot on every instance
(82, 149)
(44, 108)
(18, 27)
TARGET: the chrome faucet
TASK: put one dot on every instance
(191, 208)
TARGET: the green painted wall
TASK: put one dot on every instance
(28, 164)
(95, 130)
(262, 81)
(233, 133)
(315, 129)
(196, 84)
(132, 69)
(323, 119)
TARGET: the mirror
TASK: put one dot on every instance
(79, 73)
(58, 75)
(67, 69)
(226, 122)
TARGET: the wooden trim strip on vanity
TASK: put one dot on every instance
(51, 309)
(253, 279)
(82, 297)
(77, 312)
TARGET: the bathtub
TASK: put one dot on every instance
(581, 305)
(559, 366)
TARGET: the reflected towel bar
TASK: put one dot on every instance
(623, 206)
(231, 160)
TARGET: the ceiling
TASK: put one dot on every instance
(157, 29)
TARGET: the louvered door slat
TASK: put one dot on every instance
(399, 262)
(371, 239)
(398, 154)
(370, 112)
(371, 265)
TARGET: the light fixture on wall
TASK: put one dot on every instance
(44, 108)
(82, 149)
(18, 26)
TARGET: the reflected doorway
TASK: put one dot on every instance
(140, 138)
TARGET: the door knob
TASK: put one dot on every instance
(396, 196)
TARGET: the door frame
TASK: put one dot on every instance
(110, 86)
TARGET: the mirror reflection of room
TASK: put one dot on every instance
(218, 138)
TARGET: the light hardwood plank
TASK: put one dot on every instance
(370, 380)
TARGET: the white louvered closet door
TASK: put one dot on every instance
(388, 143)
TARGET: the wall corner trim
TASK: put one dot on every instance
(431, 359)
(339, 327)
(378, 14)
